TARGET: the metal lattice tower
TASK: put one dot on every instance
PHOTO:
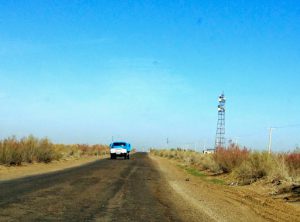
(220, 134)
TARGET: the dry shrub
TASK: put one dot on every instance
(246, 166)
(280, 170)
(188, 157)
(78, 150)
(83, 148)
(64, 151)
(28, 149)
(10, 151)
(292, 161)
(100, 149)
(29, 146)
(31, 149)
(231, 157)
(262, 164)
(44, 151)
(256, 166)
(208, 163)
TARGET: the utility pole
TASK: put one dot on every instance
(270, 139)
(236, 140)
(277, 127)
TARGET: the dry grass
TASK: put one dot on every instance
(30, 149)
(244, 165)
(262, 164)
(293, 163)
(189, 157)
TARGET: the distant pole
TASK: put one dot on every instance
(236, 140)
(167, 142)
(278, 127)
(270, 139)
(112, 139)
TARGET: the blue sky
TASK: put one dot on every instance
(84, 71)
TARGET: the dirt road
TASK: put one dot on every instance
(140, 189)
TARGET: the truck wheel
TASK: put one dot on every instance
(128, 156)
(125, 156)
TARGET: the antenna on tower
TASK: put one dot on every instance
(220, 134)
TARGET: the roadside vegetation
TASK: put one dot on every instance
(30, 149)
(244, 165)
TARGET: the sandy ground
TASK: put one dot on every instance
(14, 172)
(144, 188)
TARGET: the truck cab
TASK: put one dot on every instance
(120, 149)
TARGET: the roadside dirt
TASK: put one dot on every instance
(14, 172)
(225, 203)
(140, 189)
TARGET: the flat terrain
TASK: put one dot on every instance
(144, 188)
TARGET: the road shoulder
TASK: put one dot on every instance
(16, 172)
(223, 203)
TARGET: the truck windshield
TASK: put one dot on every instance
(119, 144)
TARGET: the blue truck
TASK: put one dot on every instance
(121, 149)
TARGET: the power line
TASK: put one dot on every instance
(262, 133)
(279, 127)
(287, 126)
